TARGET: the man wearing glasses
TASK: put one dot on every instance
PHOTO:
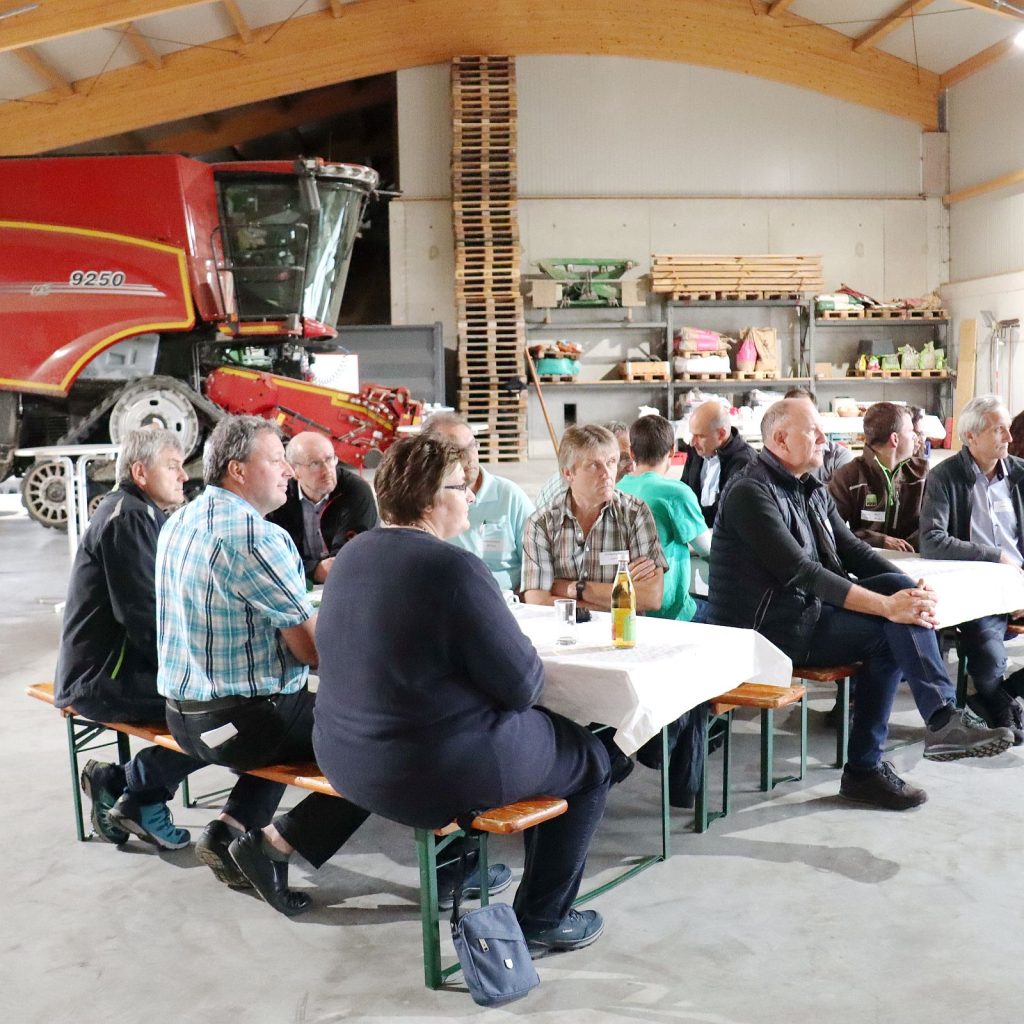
(326, 506)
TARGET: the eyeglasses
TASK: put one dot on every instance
(456, 487)
(318, 464)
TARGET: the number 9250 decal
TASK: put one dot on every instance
(97, 279)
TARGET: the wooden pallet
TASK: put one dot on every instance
(704, 376)
(735, 278)
(932, 374)
(755, 375)
(746, 295)
(879, 313)
(654, 370)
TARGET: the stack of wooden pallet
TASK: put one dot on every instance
(735, 278)
(490, 305)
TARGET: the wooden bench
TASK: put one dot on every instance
(768, 699)
(507, 820)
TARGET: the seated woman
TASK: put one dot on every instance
(427, 689)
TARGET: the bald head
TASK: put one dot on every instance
(709, 428)
(312, 458)
(791, 431)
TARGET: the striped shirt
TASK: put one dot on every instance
(554, 546)
(227, 581)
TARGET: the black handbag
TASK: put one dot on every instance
(491, 949)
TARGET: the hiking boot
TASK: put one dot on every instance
(499, 878)
(964, 736)
(1015, 722)
(152, 823)
(578, 928)
(881, 787)
(103, 783)
(212, 850)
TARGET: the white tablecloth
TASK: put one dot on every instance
(674, 667)
(965, 590)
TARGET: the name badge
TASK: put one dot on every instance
(872, 516)
(1002, 507)
(493, 540)
(612, 557)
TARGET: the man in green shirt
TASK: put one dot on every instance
(677, 515)
(680, 523)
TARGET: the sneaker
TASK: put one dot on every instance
(499, 878)
(579, 928)
(212, 850)
(881, 787)
(964, 736)
(152, 823)
(1015, 722)
(100, 784)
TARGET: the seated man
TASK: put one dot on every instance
(555, 486)
(715, 453)
(498, 515)
(326, 505)
(680, 524)
(676, 514)
(570, 546)
(836, 455)
(107, 663)
(879, 494)
(974, 510)
(236, 639)
(781, 563)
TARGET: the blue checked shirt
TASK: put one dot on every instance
(227, 581)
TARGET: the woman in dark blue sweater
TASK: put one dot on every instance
(426, 705)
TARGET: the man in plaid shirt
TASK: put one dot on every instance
(235, 635)
(571, 545)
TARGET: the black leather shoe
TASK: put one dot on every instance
(269, 877)
(212, 849)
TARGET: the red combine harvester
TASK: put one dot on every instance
(159, 289)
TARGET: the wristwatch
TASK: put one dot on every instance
(581, 585)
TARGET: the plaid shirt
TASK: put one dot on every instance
(554, 546)
(227, 581)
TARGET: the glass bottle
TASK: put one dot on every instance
(623, 607)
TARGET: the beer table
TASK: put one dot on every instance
(638, 691)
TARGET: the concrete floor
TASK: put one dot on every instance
(797, 908)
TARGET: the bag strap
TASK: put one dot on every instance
(471, 842)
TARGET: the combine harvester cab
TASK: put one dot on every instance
(125, 281)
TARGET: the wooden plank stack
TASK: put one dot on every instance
(491, 328)
(735, 278)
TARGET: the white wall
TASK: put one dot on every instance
(624, 157)
(985, 116)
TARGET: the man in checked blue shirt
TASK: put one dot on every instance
(235, 642)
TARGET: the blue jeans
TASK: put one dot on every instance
(889, 652)
(984, 651)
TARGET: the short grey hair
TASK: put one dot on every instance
(721, 419)
(773, 416)
(616, 427)
(144, 445)
(577, 440)
(974, 413)
(232, 440)
(433, 425)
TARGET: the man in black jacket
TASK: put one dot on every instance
(974, 510)
(715, 454)
(107, 663)
(781, 563)
(326, 507)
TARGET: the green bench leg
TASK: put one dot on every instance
(843, 726)
(768, 778)
(703, 815)
(80, 734)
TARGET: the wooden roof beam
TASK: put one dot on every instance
(889, 24)
(45, 71)
(66, 18)
(776, 7)
(992, 185)
(976, 63)
(1013, 10)
(389, 35)
(336, 8)
(143, 47)
(238, 20)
